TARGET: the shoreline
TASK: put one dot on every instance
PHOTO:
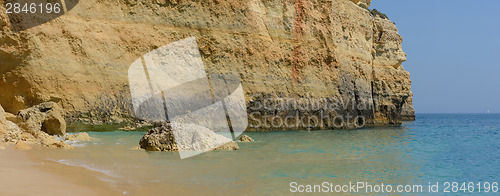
(23, 173)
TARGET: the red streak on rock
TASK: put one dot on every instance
(299, 24)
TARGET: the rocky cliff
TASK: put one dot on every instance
(333, 51)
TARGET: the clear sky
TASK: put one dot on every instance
(453, 52)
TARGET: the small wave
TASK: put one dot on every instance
(86, 166)
(76, 143)
(59, 138)
(107, 180)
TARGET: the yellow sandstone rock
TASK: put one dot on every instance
(321, 49)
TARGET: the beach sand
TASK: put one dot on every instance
(21, 173)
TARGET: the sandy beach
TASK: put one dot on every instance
(26, 173)
(22, 173)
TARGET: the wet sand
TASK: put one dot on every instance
(21, 173)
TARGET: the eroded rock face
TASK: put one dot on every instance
(194, 138)
(281, 49)
(47, 117)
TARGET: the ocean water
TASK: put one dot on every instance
(434, 148)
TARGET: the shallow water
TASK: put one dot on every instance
(434, 148)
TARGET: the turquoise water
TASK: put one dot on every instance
(434, 148)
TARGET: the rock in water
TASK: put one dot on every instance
(228, 146)
(79, 137)
(246, 138)
(47, 117)
(190, 138)
(159, 138)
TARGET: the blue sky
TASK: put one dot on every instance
(453, 52)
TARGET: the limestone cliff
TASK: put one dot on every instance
(281, 48)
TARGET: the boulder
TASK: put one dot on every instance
(50, 141)
(22, 145)
(3, 121)
(3, 130)
(11, 117)
(60, 145)
(13, 133)
(35, 125)
(246, 138)
(2, 115)
(7, 128)
(16, 134)
(46, 117)
(190, 138)
(79, 137)
(159, 138)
